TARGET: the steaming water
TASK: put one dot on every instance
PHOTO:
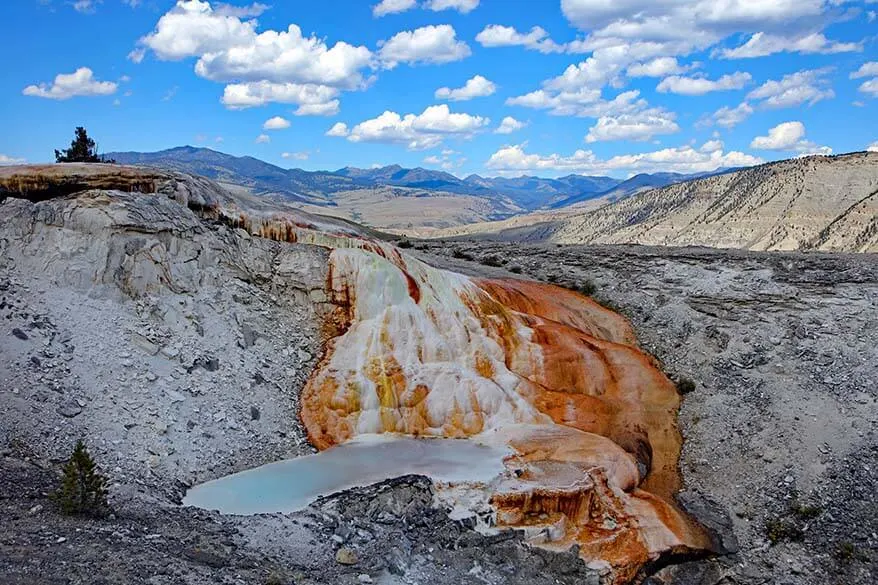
(290, 485)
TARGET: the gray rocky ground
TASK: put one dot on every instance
(782, 426)
(180, 355)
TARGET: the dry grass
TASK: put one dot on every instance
(38, 182)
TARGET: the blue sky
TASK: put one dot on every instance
(546, 87)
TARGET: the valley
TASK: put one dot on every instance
(393, 198)
(810, 203)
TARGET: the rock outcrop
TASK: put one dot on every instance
(588, 418)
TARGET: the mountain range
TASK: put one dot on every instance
(814, 203)
(321, 187)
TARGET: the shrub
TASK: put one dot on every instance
(82, 490)
(587, 288)
(275, 577)
(515, 269)
(847, 551)
(805, 511)
(492, 260)
(461, 255)
(405, 244)
(685, 385)
(778, 530)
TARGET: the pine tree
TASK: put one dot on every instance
(82, 490)
(82, 149)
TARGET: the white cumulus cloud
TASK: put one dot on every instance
(329, 108)
(137, 55)
(683, 159)
(712, 146)
(6, 160)
(462, 6)
(238, 96)
(729, 117)
(338, 129)
(509, 125)
(416, 131)
(870, 87)
(781, 137)
(67, 85)
(228, 48)
(426, 45)
(658, 67)
(762, 44)
(386, 7)
(477, 86)
(636, 38)
(263, 139)
(86, 6)
(701, 85)
(698, 22)
(788, 136)
(495, 35)
(637, 126)
(276, 123)
(869, 69)
(807, 86)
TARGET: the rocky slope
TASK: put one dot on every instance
(781, 425)
(173, 324)
(180, 328)
(813, 203)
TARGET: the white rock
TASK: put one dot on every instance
(175, 396)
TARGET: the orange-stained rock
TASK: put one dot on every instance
(589, 419)
(560, 305)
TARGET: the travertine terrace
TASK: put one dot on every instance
(590, 418)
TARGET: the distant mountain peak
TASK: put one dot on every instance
(526, 192)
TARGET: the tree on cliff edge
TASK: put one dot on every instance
(82, 149)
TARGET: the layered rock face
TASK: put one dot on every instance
(588, 419)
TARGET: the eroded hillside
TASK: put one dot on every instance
(813, 203)
(174, 322)
(188, 332)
